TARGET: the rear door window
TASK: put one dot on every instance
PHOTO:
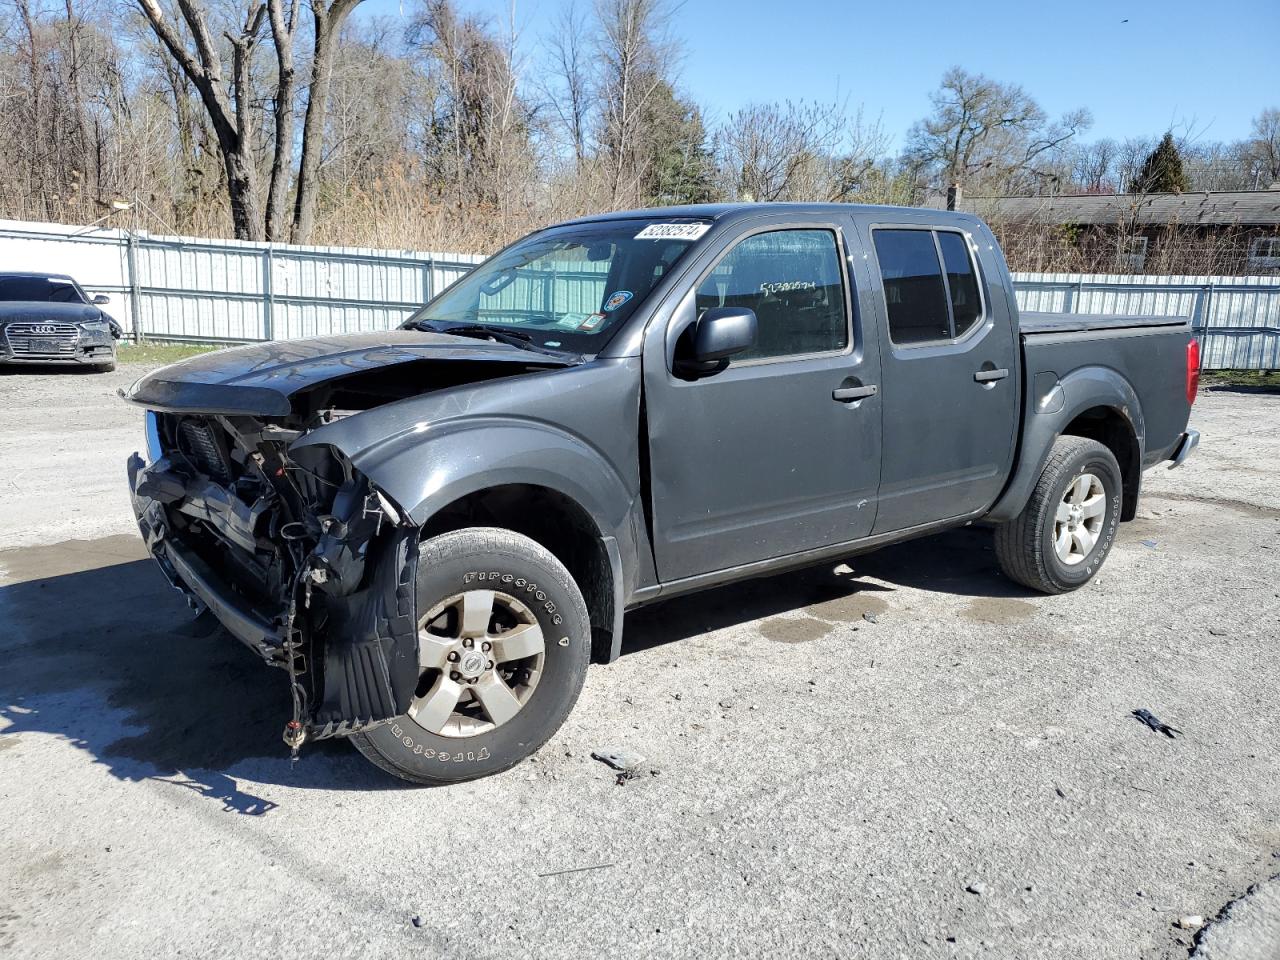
(914, 291)
(931, 288)
(792, 279)
(962, 281)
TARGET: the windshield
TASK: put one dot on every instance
(571, 287)
(40, 289)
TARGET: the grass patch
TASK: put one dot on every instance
(1251, 379)
(160, 352)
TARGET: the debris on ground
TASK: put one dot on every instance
(1150, 544)
(620, 758)
(726, 704)
(557, 873)
(870, 618)
(416, 921)
(977, 888)
(1218, 632)
(1192, 922)
(1156, 724)
(1058, 790)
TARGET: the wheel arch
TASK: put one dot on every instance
(1094, 402)
(534, 479)
(556, 521)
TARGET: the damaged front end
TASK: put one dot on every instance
(297, 555)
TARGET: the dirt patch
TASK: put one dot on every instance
(846, 609)
(1243, 507)
(1000, 610)
(794, 629)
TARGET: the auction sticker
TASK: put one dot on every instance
(673, 231)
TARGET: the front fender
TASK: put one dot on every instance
(428, 471)
(1051, 405)
(425, 472)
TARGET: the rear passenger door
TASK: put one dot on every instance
(950, 383)
(777, 453)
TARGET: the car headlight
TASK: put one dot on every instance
(101, 327)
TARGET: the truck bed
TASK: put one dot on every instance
(1073, 322)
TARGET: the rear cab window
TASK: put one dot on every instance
(931, 287)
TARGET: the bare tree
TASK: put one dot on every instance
(1265, 145)
(798, 151)
(328, 17)
(226, 102)
(569, 84)
(986, 134)
(637, 57)
(1092, 166)
(283, 15)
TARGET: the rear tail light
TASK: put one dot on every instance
(1193, 370)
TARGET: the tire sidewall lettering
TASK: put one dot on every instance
(516, 583)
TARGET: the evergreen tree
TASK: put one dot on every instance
(680, 167)
(1162, 171)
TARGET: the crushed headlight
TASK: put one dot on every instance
(151, 426)
(96, 326)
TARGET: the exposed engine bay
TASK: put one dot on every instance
(285, 543)
(296, 553)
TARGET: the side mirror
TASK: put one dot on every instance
(100, 299)
(715, 337)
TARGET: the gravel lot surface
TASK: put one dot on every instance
(905, 757)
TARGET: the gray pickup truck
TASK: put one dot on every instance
(433, 530)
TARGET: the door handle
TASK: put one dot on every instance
(991, 376)
(849, 394)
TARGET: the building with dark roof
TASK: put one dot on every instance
(1241, 228)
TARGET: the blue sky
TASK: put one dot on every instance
(1206, 66)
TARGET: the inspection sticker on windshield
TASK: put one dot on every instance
(616, 300)
(673, 231)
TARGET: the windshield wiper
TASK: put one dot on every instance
(480, 331)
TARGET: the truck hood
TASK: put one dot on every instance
(261, 379)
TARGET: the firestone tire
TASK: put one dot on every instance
(1076, 504)
(524, 581)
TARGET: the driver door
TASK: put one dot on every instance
(767, 457)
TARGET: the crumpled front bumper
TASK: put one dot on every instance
(364, 665)
(201, 585)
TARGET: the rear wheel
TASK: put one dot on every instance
(1063, 535)
(503, 640)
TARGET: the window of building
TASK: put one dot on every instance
(1264, 252)
(1131, 252)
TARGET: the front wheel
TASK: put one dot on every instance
(503, 640)
(1063, 535)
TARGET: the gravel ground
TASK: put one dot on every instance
(905, 757)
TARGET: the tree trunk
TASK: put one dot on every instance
(229, 115)
(282, 32)
(328, 24)
(242, 191)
